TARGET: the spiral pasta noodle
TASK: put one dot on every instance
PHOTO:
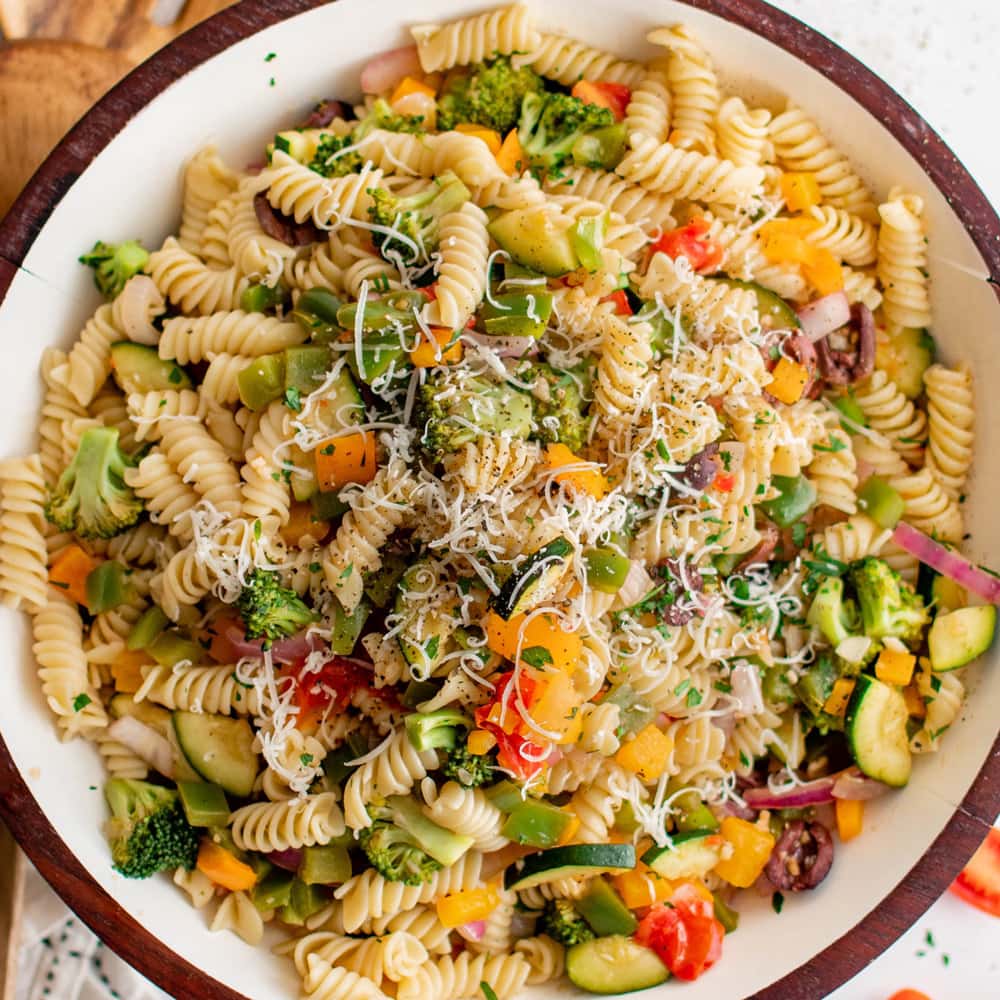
(213, 689)
(207, 180)
(135, 308)
(891, 414)
(190, 339)
(191, 285)
(454, 978)
(833, 471)
(147, 410)
(621, 371)
(473, 39)
(741, 133)
(634, 203)
(202, 461)
(278, 826)
(266, 495)
(595, 805)
(59, 405)
(902, 261)
(927, 505)
(943, 695)
(950, 420)
(856, 538)
(238, 914)
(168, 498)
(848, 237)
(462, 272)
(567, 60)
(89, 362)
(23, 573)
(467, 811)
(546, 958)
(648, 111)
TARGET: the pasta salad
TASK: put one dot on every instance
(514, 517)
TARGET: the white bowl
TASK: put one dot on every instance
(237, 98)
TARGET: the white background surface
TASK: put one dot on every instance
(944, 57)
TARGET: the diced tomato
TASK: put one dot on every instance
(430, 291)
(683, 932)
(979, 882)
(515, 752)
(333, 684)
(620, 299)
(603, 93)
(690, 241)
(724, 482)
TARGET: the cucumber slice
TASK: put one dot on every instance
(342, 402)
(946, 594)
(960, 636)
(904, 355)
(604, 910)
(219, 749)
(875, 724)
(424, 637)
(566, 862)
(534, 580)
(138, 368)
(537, 239)
(614, 965)
(691, 855)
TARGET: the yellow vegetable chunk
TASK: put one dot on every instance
(464, 907)
(490, 136)
(647, 755)
(895, 667)
(800, 190)
(788, 381)
(748, 849)
(850, 817)
(581, 474)
(542, 632)
(481, 742)
(836, 704)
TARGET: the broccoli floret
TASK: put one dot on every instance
(91, 497)
(147, 830)
(382, 116)
(889, 607)
(454, 409)
(563, 924)
(469, 769)
(114, 264)
(551, 124)
(436, 730)
(331, 162)
(269, 610)
(490, 95)
(835, 617)
(417, 218)
(559, 407)
(403, 845)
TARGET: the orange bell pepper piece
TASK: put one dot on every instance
(480, 742)
(642, 887)
(302, 522)
(895, 667)
(800, 191)
(750, 847)
(543, 632)
(587, 478)
(822, 271)
(464, 907)
(126, 670)
(556, 709)
(788, 381)
(224, 869)
(646, 755)
(915, 703)
(511, 159)
(408, 86)
(836, 704)
(70, 570)
(783, 241)
(850, 817)
(490, 136)
(430, 355)
(349, 458)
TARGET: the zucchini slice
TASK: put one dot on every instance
(567, 862)
(775, 312)
(534, 580)
(960, 636)
(138, 368)
(875, 724)
(691, 855)
(614, 965)
(219, 749)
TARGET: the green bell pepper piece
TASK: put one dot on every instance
(316, 313)
(328, 506)
(725, 914)
(263, 298)
(881, 502)
(693, 814)
(327, 864)
(273, 891)
(601, 149)
(606, 569)
(306, 367)
(107, 587)
(796, 496)
(304, 901)
(171, 648)
(588, 240)
(262, 381)
(536, 824)
(851, 410)
(148, 626)
(346, 628)
(505, 795)
(604, 910)
(517, 314)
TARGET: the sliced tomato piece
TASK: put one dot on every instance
(605, 94)
(724, 482)
(515, 753)
(620, 299)
(334, 683)
(691, 241)
(684, 933)
(979, 881)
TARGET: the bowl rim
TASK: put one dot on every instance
(973, 817)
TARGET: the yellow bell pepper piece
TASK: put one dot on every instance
(750, 848)
(836, 704)
(481, 742)
(566, 837)
(490, 136)
(408, 86)
(895, 667)
(647, 755)
(463, 907)
(783, 241)
(126, 670)
(224, 868)
(428, 355)
(915, 703)
(511, 158)
(542, 631)
(555, 707)
(850, 817)
(822, 271)
(788, 381)
(800, 190)
(587, 479)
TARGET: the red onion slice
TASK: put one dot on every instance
(852, 784)
(289, 860)
(145, 742)
(475, 930)
(950, 564)
(812, 793)
(822, 317)
(386, 69)
(745, 682)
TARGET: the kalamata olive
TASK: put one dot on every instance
(702, 469)
(681, 581)
(797, 347)
(283, 227)
(801, 858)
(846, 367)
(325, 112)
(764, 549)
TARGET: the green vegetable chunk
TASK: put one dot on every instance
(204, 803)
(517, 314)
(269, 610)
(273, 891)
(562, 923)
(263, 298)
(114, 264)
(347, 628)
(889, 607)
(881, 502)
(327, 864)
(107, 587)
(606, 569)
(146, 629)
(139, 368)
(170, 648)
(489, 94)
(796, 497)
(304, 901)
(957, 638)
(604, 910)
(262, 381)
(552, 124)
(306, 367)
(614, 965)
(535, 823)
(537, 238)
(436, 730)
(316, 312)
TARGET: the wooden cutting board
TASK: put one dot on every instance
(60, 56)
